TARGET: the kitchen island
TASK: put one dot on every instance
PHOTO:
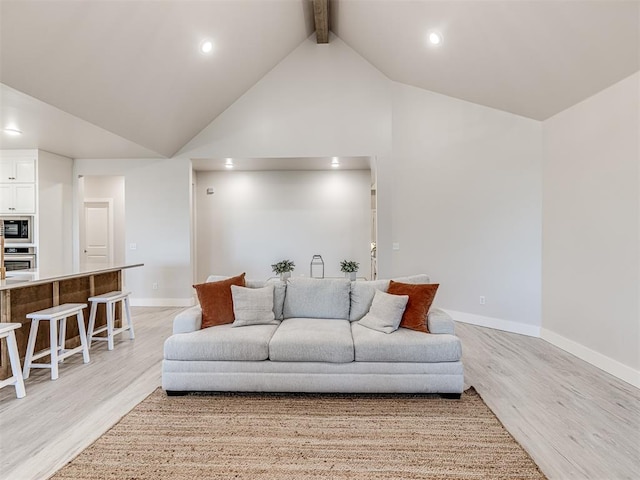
(27, 291)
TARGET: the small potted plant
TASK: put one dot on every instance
(350, 268)
(283, 268)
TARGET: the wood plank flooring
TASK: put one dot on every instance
(58, 419)
(576, 421)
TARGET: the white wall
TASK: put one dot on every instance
(258, 218)
(157, 203)
(591, 229)
(325, 100)
(320, 101)
(467, 205)
(55, 215)
(108, 187)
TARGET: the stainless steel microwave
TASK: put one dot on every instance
(18, 229)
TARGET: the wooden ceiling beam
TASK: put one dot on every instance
(321, 15)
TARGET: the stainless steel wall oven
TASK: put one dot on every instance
(19, 258)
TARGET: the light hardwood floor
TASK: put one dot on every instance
(576, 421)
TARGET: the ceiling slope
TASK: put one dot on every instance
(46, 127)
(533, 58)
(134, 67)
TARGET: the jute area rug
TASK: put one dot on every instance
(358, 437)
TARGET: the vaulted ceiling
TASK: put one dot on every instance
(98, 78)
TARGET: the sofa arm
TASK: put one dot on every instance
(187, 321)
(440, 322)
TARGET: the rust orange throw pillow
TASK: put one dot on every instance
(420, 299)
(216, 301)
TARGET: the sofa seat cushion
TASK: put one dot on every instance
(312, 340)
(222, 342)
(404, 345)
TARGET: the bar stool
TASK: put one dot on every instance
(57, 349)
(7, 330)
(110, 299)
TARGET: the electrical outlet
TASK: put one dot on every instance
(133, 246)
(483, 300)
(395, 246)
(155, 286)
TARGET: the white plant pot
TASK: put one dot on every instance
(351, 275)
(284, 276)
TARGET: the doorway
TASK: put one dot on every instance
(101, 220)
(96, 238)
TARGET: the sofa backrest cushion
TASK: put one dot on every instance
(362, 293)
(279, 290)
(317, 298)
(249, 283)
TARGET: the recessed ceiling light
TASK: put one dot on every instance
(435, 38)
(206, 46)
(12, 131)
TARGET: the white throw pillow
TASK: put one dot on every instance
(385, 313)
(253, 306)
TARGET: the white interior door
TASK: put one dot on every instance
(97, 236)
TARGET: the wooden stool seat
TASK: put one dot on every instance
(57, 341)
(7, 330)
(109, 300)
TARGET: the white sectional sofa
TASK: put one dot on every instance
(318, 346)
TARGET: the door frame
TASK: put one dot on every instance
(110, 226)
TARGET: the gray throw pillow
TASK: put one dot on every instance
(253, 306)
(386, 312)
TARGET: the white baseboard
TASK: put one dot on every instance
(608, 364)
(162, 302)
(496, 323)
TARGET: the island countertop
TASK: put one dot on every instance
(28, 278)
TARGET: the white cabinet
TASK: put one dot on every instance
(17, 170)
(17, 185)
(18, 198)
